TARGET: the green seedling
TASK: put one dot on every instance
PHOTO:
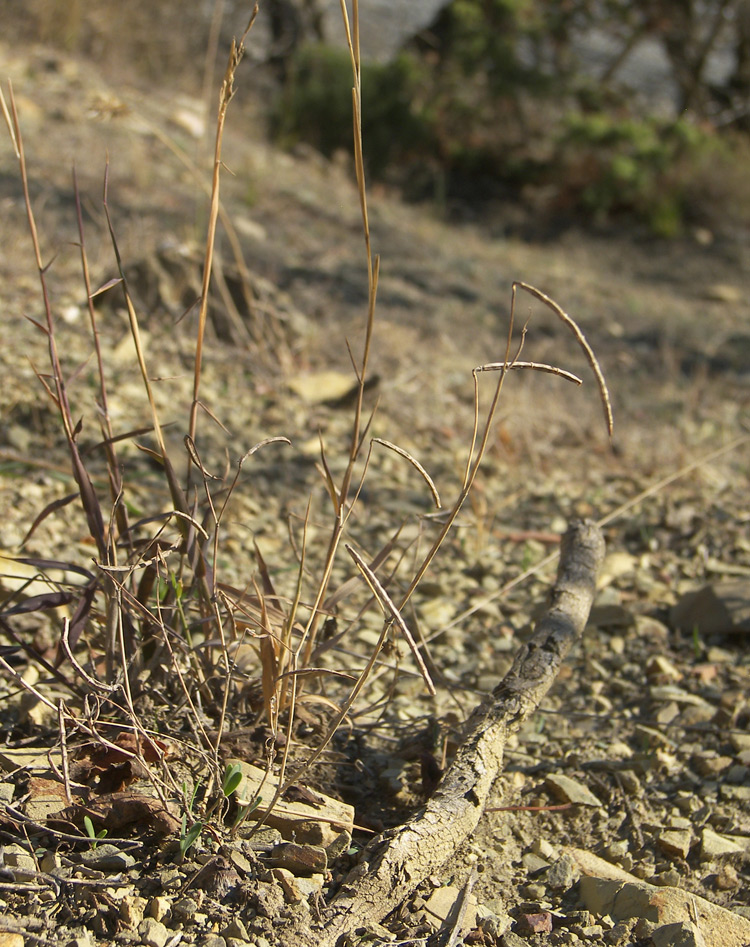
(232, 779)
(93, 836)
(188, 836)
(246, 810)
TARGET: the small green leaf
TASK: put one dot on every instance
(188, 838)
(232, 779)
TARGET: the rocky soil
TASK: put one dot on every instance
(623, 816)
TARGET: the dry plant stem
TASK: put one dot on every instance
(59, 396)
(227, 92)
(582, 341)
(401, 858)
(113, 467)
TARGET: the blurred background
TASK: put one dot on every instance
(608, 113)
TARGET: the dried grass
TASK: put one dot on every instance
(155, 610)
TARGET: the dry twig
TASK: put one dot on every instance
(395, 863)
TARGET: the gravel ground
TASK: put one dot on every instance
(624, 804)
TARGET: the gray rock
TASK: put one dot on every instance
(563, 874)
(675, 842)
(152, 933)
(571, 790)
(681, 934)
(185, 909)
(107, 858)
(714, 845)
(235, 930)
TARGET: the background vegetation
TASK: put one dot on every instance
(541, 101)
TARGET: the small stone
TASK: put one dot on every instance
(310, 885)
(630, 782)
(159, 908)
(342, 843)
(724, 293)
(714, 845)
(133, 910)
(739, 741)
(288, 882)
(727, 879)
(491, 924)
(19, 861)
(563, 874)
(667, 879)
(534, 863)
(659, 668)
(620, 934)
(511, 939)
(592, 932)
(542, 847)
(152, 933)
(738, 774)
(616, 850)
(260, 840)
(739, 794)
(185, 909)
(535, 923)
(299, 859)
(107, 858)
(679, 934)
(709, 764)
(679, 695)
(533, 891)
(236, 930)
(667, 713)
(571, 790)
(442, 904)
(240, 861)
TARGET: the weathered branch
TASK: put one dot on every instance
(401, 858)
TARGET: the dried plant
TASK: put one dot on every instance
(157, 608)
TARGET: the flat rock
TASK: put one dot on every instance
(664, 905)
(444, 904)
(311, 818)
(683, 934)
(299, 859)
(571, 790)
(714, 845)
(717, 608)
(675, 842)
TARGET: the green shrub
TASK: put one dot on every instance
(642, 167)
(316, 107)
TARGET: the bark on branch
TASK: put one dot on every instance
(395, 863)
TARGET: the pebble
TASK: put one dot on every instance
(534, 863)
(571, 790)
(185, 909)
(710, 764)
(133, 910)
(107, 858)
(714, 845)
(152, 933)
(235, 930)
(739, 794)
(160, 908)
(299, 859)
(679, 934)
(563, 874)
